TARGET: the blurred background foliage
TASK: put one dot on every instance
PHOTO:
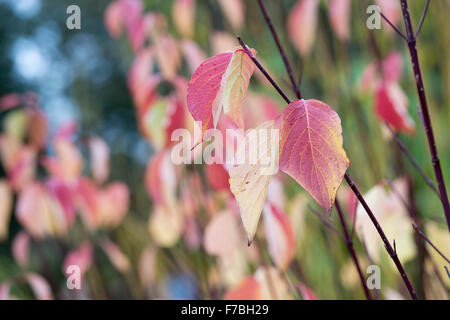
(81, 75)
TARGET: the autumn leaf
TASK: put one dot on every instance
(234, 11)
(247, 181)
(280, 236)
(339, 15)
(220, 82)
(311, 149)
(302, 24)
(386, 202)
(391, 105)
(183, 14)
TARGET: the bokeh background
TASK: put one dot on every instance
(80, 77)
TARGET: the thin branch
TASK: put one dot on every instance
(422, 19)
(351, 249)
(393, 27)
(326, 222)
(387, 244)
(265, 73)
(424, 237)
(425, 112)
(349, 181)
(413, 161)
(280, 48)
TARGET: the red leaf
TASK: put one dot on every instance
(220, 81)
(311, 149)
(339, 14)
(391, 106)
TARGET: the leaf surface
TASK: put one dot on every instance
(311, 149)
(249, 181)
(220, 82)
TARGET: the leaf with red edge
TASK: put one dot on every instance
(220, 82)
(311, 149)
(280, 236)
(302, 24)
(339, 14)
(391, 105)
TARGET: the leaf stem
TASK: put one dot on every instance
(387, 244)
(351, 249)
(424, 237)
(411, 40)
(280, 48)
(413, 161)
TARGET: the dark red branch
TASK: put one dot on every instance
(387, 244)
(280, 48)
(351, 249)
(411, 39)
(413, 161)
(424, 237)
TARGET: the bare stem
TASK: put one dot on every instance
(387, 244)
(393, 26)
(351, 249)
(413, 161)
(354, 188)
(411, 39)
(424, 237)
(422, 19)
(326, 222)
(280, 48)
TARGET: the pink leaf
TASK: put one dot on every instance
(99, 159)
(280, 236)
(81, 257)
(118, 259)
(311, 149)
(40, 286)
(222, 236)
(234, 11)
(339, 14)
(21, 248)
(302, 24)
(220, 81)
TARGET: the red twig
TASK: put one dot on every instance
(280, 48)
(411, 40)
(351, 249)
